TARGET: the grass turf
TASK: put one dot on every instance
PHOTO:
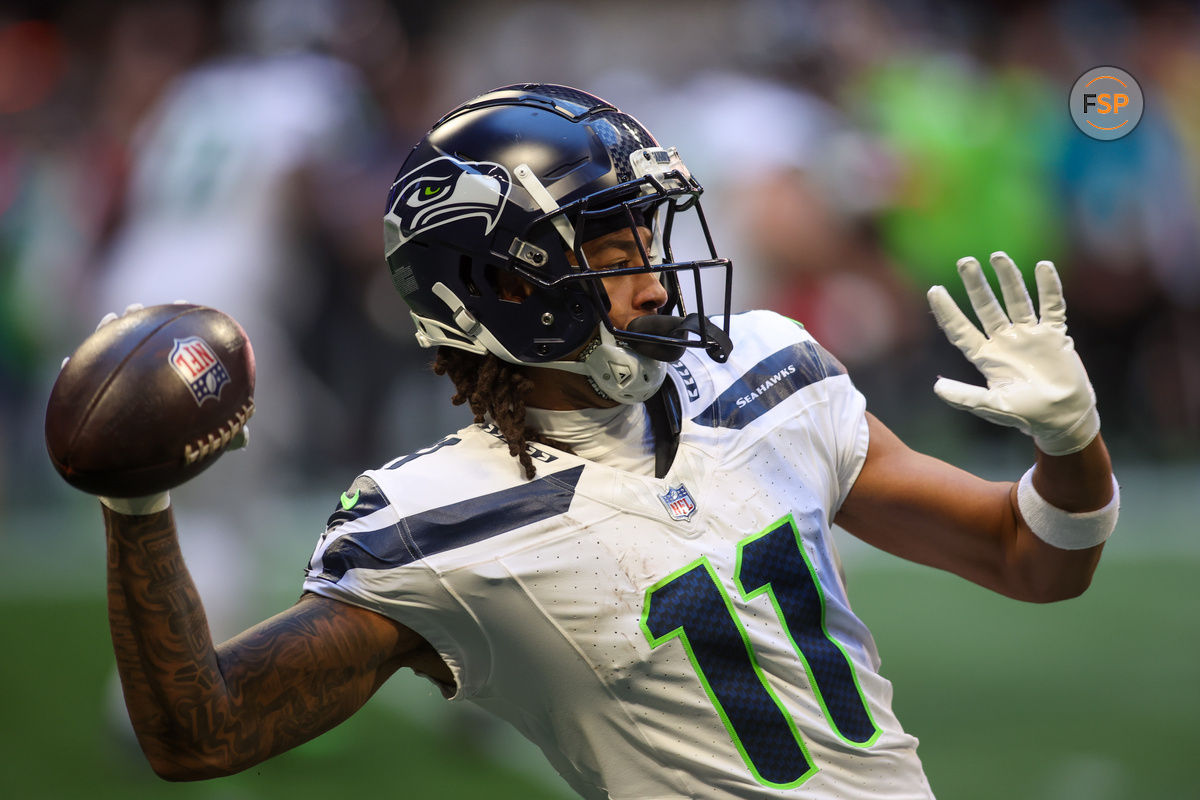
(1093, 698)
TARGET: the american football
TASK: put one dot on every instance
(150, 400)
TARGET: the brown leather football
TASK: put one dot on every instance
(150, 400)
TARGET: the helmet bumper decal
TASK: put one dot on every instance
(442, 191)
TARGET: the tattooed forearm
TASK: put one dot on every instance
(201, 711)
(159, 631)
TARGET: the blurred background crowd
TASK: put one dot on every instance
(237, 153)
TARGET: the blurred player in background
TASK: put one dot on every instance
(628, 555)
(219, 210)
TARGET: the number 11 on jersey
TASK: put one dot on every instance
(691, 605)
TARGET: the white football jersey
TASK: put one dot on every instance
(683, 637)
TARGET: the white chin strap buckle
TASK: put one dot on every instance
(620, 373)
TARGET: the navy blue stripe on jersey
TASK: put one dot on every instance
(768, 383)
(362, 498)
(449, 527)
(449, 441)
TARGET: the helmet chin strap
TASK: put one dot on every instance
(616, 372)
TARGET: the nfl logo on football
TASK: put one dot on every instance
(198, 366)
(679, 503)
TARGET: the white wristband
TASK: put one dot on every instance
(138, 506)
(1066, 530)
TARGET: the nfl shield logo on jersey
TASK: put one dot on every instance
(679, 503)
(198, 366)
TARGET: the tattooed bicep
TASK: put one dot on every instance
(319, 635)
(310, 667)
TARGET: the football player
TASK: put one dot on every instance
(628, 555)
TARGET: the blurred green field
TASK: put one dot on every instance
(1094, 698)
(57, 744)
(1091, 699)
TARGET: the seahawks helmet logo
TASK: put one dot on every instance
(442, 191)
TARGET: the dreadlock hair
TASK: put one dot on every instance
(495, 388)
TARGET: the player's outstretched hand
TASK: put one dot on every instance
(1035, 379)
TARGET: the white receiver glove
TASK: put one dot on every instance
(1035, 379)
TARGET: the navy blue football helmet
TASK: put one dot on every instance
(512, 181)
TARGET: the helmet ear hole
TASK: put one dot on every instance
(506, 285)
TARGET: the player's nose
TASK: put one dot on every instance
(649, 294)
